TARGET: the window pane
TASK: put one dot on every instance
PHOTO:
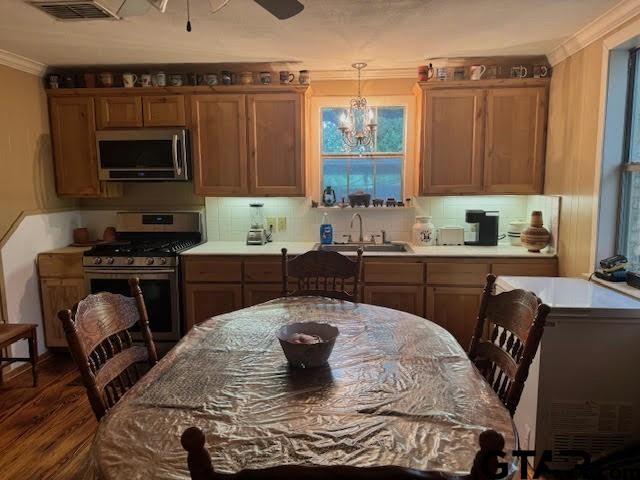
(331, 136)
(388, 181)
(390, 129)
(335, 175)
(630, 241)
(634, 128)
(361, 175)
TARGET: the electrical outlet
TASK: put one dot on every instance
(271, 221)
(282, 224)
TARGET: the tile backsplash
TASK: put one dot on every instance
(227, 218)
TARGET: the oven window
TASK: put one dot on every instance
(137, 154)
(157, 299)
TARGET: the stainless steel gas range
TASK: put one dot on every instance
(147, 246)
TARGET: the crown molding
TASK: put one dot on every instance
(367, 74)
(601, 26)
(21, 63)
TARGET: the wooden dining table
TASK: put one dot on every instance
(399, 390)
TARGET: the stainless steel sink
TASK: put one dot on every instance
(367, 247)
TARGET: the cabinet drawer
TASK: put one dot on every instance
(213, 270)
(262, 271)
(60, 265)
(457, 273)
(537, 269)
(396, 273)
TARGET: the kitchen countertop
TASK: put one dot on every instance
(297, 248)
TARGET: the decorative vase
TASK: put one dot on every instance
(535, 237)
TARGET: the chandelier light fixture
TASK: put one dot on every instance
(357, 124)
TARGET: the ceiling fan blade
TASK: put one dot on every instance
(281, 9)
(159, 4)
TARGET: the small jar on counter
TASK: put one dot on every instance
(423, 233)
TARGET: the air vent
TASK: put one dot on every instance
(67, 10)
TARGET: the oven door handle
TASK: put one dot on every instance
(174, 151)
(126, 272)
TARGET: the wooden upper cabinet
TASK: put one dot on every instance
(163, 110)
(275, 144)
(119, 112)
(515, 140)
(73, 134)
(452, 141)
(219, 142)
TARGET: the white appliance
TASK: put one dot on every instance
(583, 390)
(451, 236)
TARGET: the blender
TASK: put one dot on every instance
(257, 234)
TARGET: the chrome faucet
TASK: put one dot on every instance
(360, 237)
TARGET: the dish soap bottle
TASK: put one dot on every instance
(326, 231)
(423, 232)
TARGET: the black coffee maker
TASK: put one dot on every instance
(486, 231)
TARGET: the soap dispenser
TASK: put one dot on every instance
(326, 230)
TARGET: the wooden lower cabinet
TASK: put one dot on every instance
(455, 309)
(206, 300)
(407, 298)
(261, 292)
(59, 294)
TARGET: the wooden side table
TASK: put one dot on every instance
(11, 333)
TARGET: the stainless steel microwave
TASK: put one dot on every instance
(143, 154)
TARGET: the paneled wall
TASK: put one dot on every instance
(572, 153)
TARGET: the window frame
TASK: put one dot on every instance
(627, 166)
(366, 155)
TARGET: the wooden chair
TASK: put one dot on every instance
(101, 345)
(11, 333)
(514, 322)
(323, 274)
(485, 465)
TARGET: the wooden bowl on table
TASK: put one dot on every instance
(307, 355)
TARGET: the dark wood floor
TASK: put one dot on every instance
(46, 431)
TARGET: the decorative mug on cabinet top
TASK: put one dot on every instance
(519, 71)
(129, 80)
(286, 77)
(106, 79)
(159, 79)
(210, 79)
(304, 77)
(145, 80)
(477, 71)
(540, 71)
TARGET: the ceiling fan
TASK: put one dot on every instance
(116, 9)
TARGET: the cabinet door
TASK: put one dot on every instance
(452, 141)
(404, 298)
(255, 293)
(455, 309)
(163, 110)
(73, 133)
(515, 140)
(205, 300)
(58, 294)
(219, 131)
(275, 144)
(119, 112)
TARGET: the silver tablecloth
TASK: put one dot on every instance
(399, 390)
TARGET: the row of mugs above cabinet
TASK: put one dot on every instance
(241, 143)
